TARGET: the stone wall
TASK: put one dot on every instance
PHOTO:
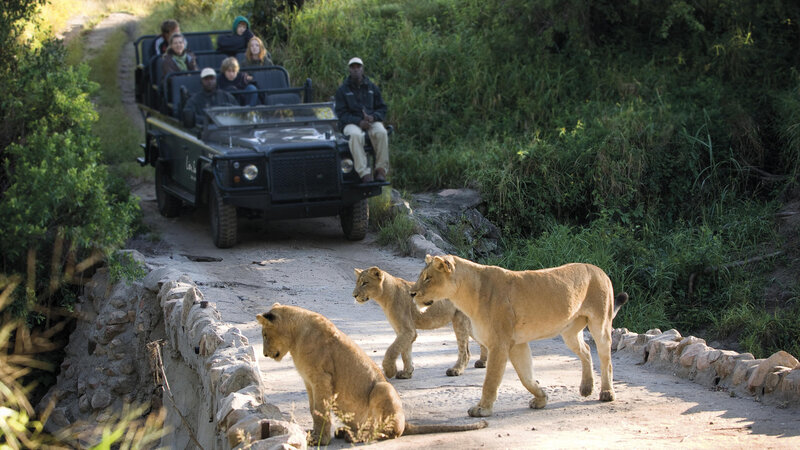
(774, 380)
(205, 373)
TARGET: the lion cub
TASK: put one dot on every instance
(392, 294)
(339, 376)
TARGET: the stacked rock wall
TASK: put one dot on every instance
(215, 396)
(774, 380)
(205, 373)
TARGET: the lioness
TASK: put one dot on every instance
(392, 294)
(339, 376)
(510, 308)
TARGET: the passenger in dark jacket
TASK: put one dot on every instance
(360, 108)
(256, 54)
(161, 43)
(231, 44)
(233, 80)
(208, 97)
(177, 57)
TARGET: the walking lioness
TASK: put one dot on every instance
(392, 294)
(339, 377)
(509, 308)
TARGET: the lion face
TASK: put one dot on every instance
(368, 284)
(434, 282)
(274, 333)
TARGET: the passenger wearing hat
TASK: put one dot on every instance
(231, 44)
(193, 111)
(361, 109)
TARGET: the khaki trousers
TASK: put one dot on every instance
(380, 143)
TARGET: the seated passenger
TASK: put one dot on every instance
(208, 97)
(256, 54)
(177, 57)
(231, 44)
(233, 80)
(161, 43)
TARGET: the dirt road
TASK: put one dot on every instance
(309, 264)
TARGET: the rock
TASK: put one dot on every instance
(690, 352)
(101, 399)
(706, 358)
(419, 247)
(769, 365)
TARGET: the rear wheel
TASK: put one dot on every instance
(355, 220)
(223, 219)
(168, 204)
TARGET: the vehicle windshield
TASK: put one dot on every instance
(304, 113)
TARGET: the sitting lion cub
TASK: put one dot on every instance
(339, 376)
(392, 294)
(510, 308)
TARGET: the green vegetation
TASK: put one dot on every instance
(655, 139)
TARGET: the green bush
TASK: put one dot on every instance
(55, 195)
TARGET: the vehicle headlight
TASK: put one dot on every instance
(347, 165)
(250, 172)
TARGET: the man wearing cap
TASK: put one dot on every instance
(361, 109)
(209, 96)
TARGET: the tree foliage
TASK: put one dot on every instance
(53, 189)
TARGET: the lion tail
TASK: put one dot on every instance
(427, 429)
(620, 300)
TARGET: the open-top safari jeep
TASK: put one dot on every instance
(283, 159)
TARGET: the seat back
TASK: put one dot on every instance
(210, 59)
(174, 83)
(198, 42)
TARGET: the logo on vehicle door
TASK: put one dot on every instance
(191, 167)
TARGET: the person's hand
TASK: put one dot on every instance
(364, 124)
(369, 118)
(248, 77)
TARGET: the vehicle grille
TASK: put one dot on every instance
(304, 175)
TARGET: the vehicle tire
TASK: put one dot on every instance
(222, 218)
(355, 220)
(168, 204)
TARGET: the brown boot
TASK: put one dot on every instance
(367, 178)
(380, 174)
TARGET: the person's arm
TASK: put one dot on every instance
(342, 109)
(191, 61)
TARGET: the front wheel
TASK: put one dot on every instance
(168, 205)
(355, 220)
(223, 219)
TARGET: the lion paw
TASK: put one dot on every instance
(389, 371)
(586, 389)
(454, 372)
(478, 411)
(317, 440)
(480, 364)
(538, 402)
(606, 396)
(403, 374)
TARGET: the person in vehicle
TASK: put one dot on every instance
(360, 109)
(161, 43)
(231, 44)
(177, 57)
(208, 97)
(256, 54)
(233, 80)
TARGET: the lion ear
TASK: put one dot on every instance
(376, 272)
(264, 318)
(357, 271)
(428, 259)
(442, 264)
(276, 304)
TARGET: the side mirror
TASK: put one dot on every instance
(188, 119)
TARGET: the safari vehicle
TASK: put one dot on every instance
(280, 160)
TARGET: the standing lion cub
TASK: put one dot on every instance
(339, 377)
(510, 308)
(392, 294)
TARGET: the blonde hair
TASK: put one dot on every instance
(229, 63)
(261, 54)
